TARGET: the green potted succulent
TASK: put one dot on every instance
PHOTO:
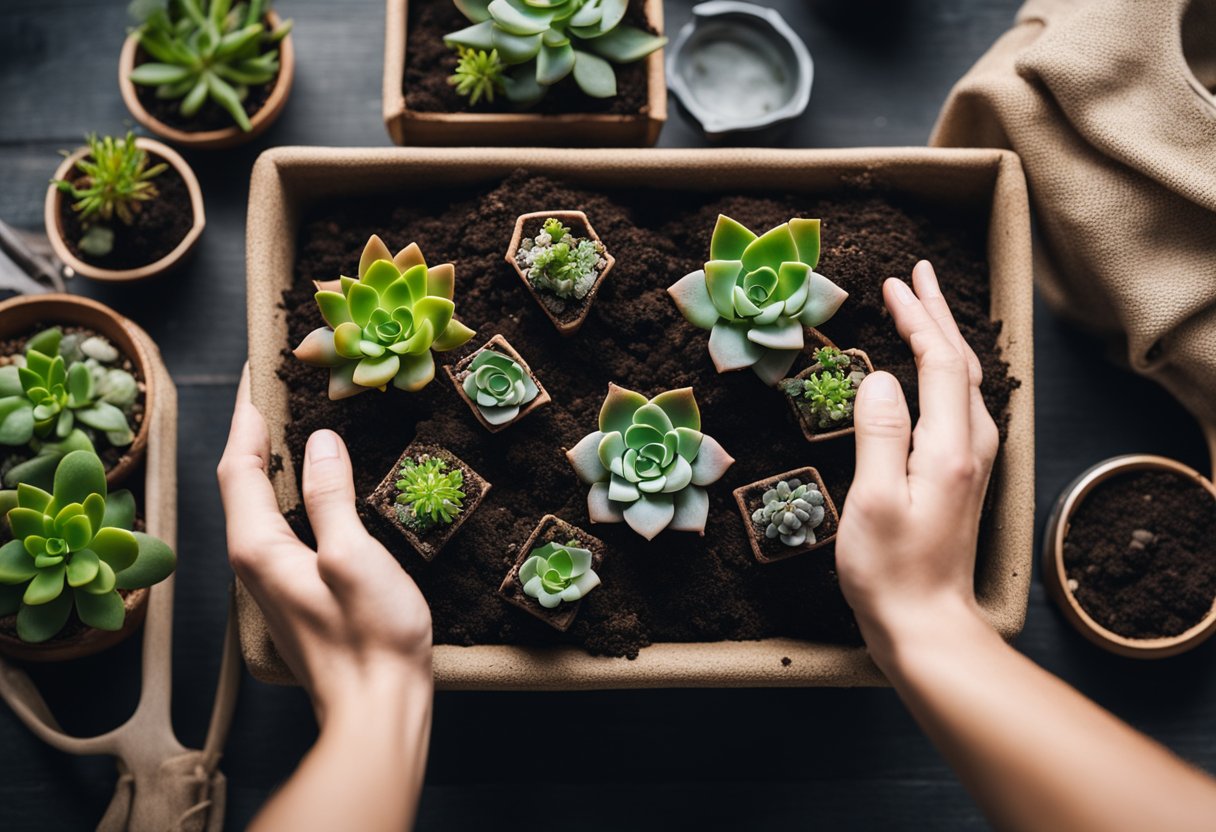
(383, 326)
(497, 384)
(787, 514)
(757, 294)
(427, 496)
(562, 262)
(554, 571)
(648, 463)
(821, 396)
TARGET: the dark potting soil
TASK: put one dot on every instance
(773, 548)
(211, 116)
(807, 415)
(160, 224)
(429, 64)
(680, 587)
(1142, 550)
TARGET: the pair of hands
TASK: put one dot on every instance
(347, 618)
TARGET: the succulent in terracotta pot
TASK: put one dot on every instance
(756, 294)
(497, 384)
(822, 395)
(787, 514)
(791, 512)
(562, 261)
(649, 462)
(556, 568)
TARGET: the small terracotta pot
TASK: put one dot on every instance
(210, 139)
(574, 220)
(500, 345)
(85, 642)
(825, 531)
(550, 529)
(54, 224)
(1055, 578)
(21, 314)
(808, 430)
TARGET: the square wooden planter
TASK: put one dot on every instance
(550, 530)
(289, 181)
(500, 345)
(473, 128)
(748, 499)
(808, 430)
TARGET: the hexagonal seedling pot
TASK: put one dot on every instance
(460, 372)
(566, 315)
(802, 411)
(771, 550)
(383, 500)
(550, 529)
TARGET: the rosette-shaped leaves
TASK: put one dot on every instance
(384, 325)
(499, 386)
(756, 294)
(649, 461)
(791, 511)
(73, 547)
(558, 572)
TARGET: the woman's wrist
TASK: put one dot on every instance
(903, 634)
(384, 696)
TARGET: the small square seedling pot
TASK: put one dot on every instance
(551, 529)
(460, 370)
(772, 551)
(804, 419)
(566, 323)
(384, 499)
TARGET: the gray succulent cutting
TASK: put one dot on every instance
(792, 511)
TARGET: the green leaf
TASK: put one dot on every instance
(119, 511)
(515, 49)
(155, 562)
(611, 14)
(45, 586)
(772, 248)
(83, 567)
(554, 63)
(475, 10)
(46, 342)
(104, 612)
(517, 20)
(95, 510)
(30, 496)
(103, 416)
(477, 36)
(594, 75)
(680, 406)
(10, 382)
(25, 522)
(77, 532)
(806, 238)
(195, 99)
(79, 474)
(16, 565)
(626, 44)
(39, 623)
(730, 239)
(362, 301)
(16, 420)
(377, 372)
(154, 74)
(620, 404)
(226, 97)
(117, 547)
(521, 86)
(334, 308)
(104, 582)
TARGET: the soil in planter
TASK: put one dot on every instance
(211, 116)
(429, 64)
(680, 587)
(772, 547)
(565, 310)
(160, 224)
(1141, 549)
(807, 415)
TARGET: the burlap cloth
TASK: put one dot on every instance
(1108, 103)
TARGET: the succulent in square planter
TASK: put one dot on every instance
(427, 496)
(821, 396)
(497, 385)
(648, 463)
(562, 261)
(756, 294)
(554, 571)
(383, 326)
(787, 515)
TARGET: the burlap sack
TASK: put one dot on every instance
(1108, 103)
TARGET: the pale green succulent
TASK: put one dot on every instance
(791, 512)
(648, 462)
(499, 386)
(828, 394)
(557, 573)
(556, 261)
(756, 294)
(384, 325)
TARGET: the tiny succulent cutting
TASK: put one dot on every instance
(383, 326)
(756, 293)
(478, 75)
(559, 262)
(73, 547)
(829, 393)
(429, 493)
(499, 386)
(791, 512)
(115, 180)
(649, 462)
(204, 50)
(558, 572)
(542, 42)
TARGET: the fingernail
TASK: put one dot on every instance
(929, 287)
(881, 387)
(323, 445)
(902, 292)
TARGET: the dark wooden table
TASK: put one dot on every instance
(648, 759)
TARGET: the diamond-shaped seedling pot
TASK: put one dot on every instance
(802, 412)
(460, 371)
(566, 315)
(550, 530)
(771, 549)
(428, 543)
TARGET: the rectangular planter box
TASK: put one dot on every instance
(473, 128)
(287, 181)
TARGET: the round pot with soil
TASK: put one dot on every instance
(1129, 555)
(562, 262)
(821, 396)
(123, 209)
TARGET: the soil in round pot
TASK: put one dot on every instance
(681, 587)
(211, 116)
(1140, 554)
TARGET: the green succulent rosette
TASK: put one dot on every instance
(557, 573)
(649, 462)
(756, 294)
(792, 511)
(384, 325)
(499, 386)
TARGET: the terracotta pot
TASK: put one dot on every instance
(500, 345)
(573, 220)
(825, 531)
(808, 430)
(1055, 578)
(54, 224)
(470, 127)
(210, 139)
(21, 314)
(548, 530)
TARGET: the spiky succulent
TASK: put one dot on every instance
(74, 548)
(207, 49)
(478, 74)
(791, 511)
(558, 572)
(556, 261)
(649, 462)
(544, 41)
(829, 393)
(755, 295)
(429, 492)
(384, 325)
(499, 386)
